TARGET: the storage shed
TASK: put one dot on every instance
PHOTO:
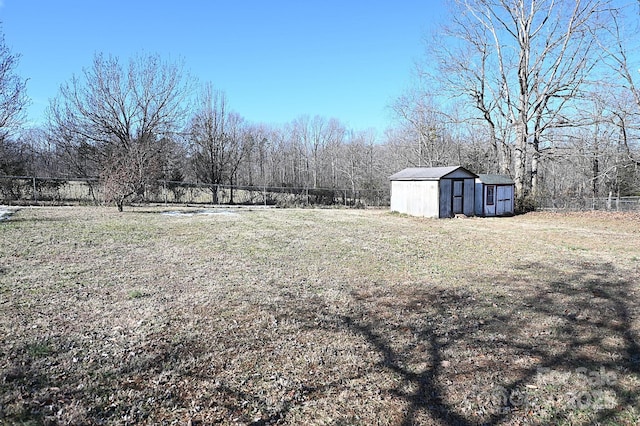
(494, 195)
(437, 192)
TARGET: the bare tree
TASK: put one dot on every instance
(286, 159)
(208, 138)
(520, 63)
(129, 172)
(314, 137)
(463, 58)
(625, 104)
(423, 130)
(13, 158)
(120, 116)
(254, 169)
(359, 165)
(13, 101)
(218, 141)
(240, 144)
(13, 96)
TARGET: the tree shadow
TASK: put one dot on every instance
(564, 348)
(506, 349)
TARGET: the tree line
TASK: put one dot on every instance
(544, 91)
(137, 123)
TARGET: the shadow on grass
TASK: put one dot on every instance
(16, 219)
(560, 350)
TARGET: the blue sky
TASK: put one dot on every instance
(276, 60)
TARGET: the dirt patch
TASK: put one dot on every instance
(203, 212)
(6, 212)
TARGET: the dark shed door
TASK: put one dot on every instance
(458, 196)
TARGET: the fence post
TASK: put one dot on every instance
(35, 195)
(164, 191)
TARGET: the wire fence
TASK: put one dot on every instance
(39, 190)
(21, 190)
(611, 203)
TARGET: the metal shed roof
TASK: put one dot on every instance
(427, 173)
(495, 179)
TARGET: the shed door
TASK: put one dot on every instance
(504, 200)
(458, 196)
(490, 200)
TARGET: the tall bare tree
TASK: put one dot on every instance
(122, 116)
(219, 140)
(209, 141)
(13, 101)
(625, 104)
(359, 167)
(13, 95)
(423, 130)
(314, 138)
(254, 169)
(519, 64)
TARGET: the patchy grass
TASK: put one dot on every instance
(135, 294)
(318, 317)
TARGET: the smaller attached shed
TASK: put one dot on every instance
(494, 195)
(437, 192)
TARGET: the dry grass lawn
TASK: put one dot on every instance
(323, 317)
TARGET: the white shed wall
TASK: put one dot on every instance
(416, 198)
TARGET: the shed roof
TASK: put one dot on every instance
(427, 173)
(495, 179)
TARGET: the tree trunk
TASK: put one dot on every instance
(499, 151)
(596, 171)
(520, 162)
(214, 194)
(535, 164)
